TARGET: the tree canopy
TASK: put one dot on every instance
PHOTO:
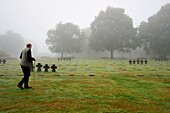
(65, 38)
(154, 35)
(112, 30)
(11, 43)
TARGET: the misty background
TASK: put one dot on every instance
(31, 19)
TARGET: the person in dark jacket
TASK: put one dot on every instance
(26, 66)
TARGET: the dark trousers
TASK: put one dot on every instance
(27, 73)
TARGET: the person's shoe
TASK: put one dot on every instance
(28, 87)
(20, 86)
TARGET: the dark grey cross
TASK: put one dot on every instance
(146, 61)
(39, 67)
(53, 67)
(46, 67)
(4, 61)
(137, 61)
(130, 61)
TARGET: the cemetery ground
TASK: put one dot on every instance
(116, 86)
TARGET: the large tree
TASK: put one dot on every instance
(11, 43)
(65, 38)
(112, 30)
(154, 35)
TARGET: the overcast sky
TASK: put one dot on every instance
(33, 18)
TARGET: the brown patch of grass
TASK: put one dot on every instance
(63, 104)
(130, 107)
(165, 92)
(20, 104)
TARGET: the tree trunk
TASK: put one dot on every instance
(62, 54)
(111, 51)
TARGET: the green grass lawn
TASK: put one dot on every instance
(114, 88)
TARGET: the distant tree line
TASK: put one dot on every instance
(113, 30)
(154, 35)
(11, 44)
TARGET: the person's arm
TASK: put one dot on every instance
(20, 56)
(29, 56)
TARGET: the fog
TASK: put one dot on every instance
(33, 18)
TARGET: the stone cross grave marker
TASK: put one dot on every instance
(39, 67)
(146, 61)
(53, 67)
(4, 61)
(130, 61)
(46, 67)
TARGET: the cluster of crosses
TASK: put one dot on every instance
(138, 61)
(65, 58)
(161, 58)
(3, 61)
(46, 67)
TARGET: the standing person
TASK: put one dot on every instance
(26, 66)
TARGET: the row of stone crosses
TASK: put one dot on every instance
(161, 58)
(46, 67)
(138, 61)
(2, 61)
